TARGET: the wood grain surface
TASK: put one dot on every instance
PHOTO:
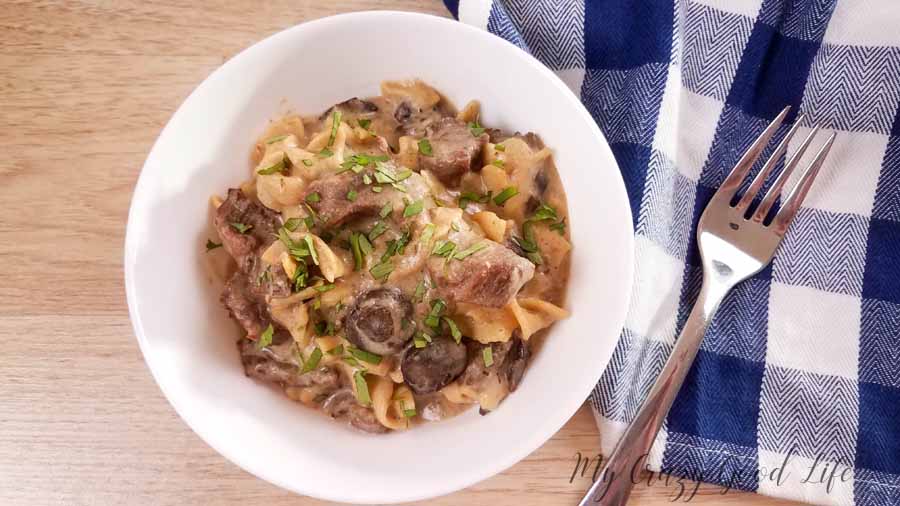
(85, 87)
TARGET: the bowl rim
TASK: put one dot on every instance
(131, 242)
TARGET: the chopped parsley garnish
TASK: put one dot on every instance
(277, 138)
(420, 292)
(386, 210)
(364, 355)
(265, 339)
(377, 230)
(488, 355)
(396, 246)
(357, 251)
(301, 277)
(475, 128)
(308, 162)
(313, 361)
(325, 288)
(312, 248)
(559, 227)
(454, 330)
(498, 163)
(434, 316)
(351, 195)
(362, 388)
(240, 227)
(412, 209)
(408, 413)
(427, 232)
(275, 168)
(444, 248)
(335, 124)
(528, 244)
(364, 123)
(292, 224)
(325, 153)
(471, 250)
(364, 245)
(544, 212)
(382, 270)
(357, 163)
(212, 245)
(324, 328)
(425, 147)
(507, 193)
(466, 197)
(313, 197)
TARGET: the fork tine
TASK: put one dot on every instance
(769, 200)
(798, 193)
(760, 178)
(740, 170)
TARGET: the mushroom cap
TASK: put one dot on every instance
(433, 367)
(380, 321)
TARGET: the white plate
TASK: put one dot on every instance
(188, 340)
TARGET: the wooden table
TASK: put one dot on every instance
(85, 88)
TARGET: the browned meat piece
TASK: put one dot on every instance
(490, 277)
(379, 321)
(476, 371)
(454, 150)
(342, 404)
(244, 306)
(333, 207)
(259, 224)
(433, 367)
(264, 367)
(510, 359)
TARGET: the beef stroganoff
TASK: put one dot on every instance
(392, 260)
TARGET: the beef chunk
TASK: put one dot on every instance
(455, 150)
(342, 404)
(476, 371)
(244, 305)
(246, 247)
(333, 207)
(490, 277)
(260, 224)
(266, 368)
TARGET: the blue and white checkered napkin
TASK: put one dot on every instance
(803, 361)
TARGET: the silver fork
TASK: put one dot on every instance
(732, 248)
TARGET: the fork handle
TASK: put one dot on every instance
(622, 470)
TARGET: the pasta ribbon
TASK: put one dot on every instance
(486, 324)
(492, 225)
(535, 314)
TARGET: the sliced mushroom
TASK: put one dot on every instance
(343, 404)
(433, 367)
(380, 321)
(515, 363)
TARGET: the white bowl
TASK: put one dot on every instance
(188, 340)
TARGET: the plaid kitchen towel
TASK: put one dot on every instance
(800, 370)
